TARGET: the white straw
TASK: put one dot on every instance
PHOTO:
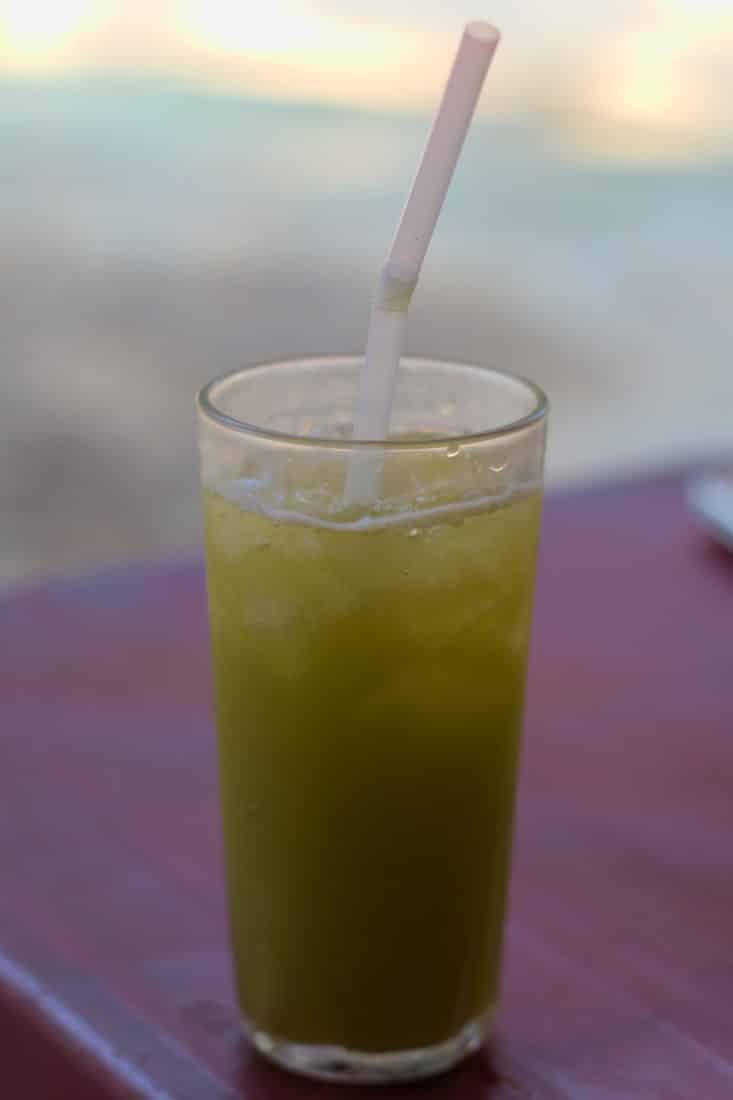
(401, 270)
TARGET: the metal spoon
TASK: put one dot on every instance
(710, 498)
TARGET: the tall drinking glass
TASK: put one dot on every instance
(369, 665)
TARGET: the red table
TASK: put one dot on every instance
(114, 974)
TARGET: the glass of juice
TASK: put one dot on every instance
(369, 664)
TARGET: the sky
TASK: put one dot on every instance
(662, 65)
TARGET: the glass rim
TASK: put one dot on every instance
(208, 409)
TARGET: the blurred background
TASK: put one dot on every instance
(189, 185)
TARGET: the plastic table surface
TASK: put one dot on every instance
(114, 967)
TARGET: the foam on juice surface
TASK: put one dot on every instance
(323, 509)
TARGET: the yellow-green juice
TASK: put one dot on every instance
(369, 681)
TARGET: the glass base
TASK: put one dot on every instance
(333, 1063)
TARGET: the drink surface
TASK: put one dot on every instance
(368, 681)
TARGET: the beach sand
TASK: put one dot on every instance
(102, 362)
